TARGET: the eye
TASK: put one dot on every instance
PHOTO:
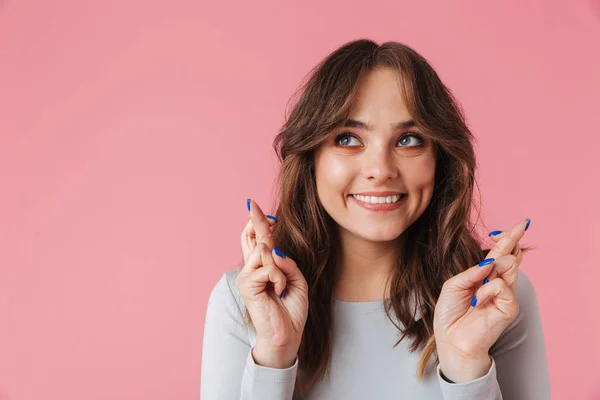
(344, 139)
(419, 139)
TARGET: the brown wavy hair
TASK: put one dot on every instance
(440, 244)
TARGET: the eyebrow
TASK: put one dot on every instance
(352, 123)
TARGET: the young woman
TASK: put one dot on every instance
(368, 282)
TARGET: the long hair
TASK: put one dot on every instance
(440, 244)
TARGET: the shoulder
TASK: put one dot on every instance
(226, 282)
(225, 294)
(526, 295)
(529, 313)
(225, 316)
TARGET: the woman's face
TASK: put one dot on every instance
(378, 156)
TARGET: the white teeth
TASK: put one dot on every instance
(377, 200)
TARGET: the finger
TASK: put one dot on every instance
(248, 236)
(255, 259)
(492, 275)
(500, 269)
(507, 268)
(262, 227)
(507, 242)
(498, 292)
(268, 273)
(251, 282)
(516, 249)
(516, 252)
(289, 268)
(470, 277)
(498, 236)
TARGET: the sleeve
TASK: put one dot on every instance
(228, 370)
(519, 368)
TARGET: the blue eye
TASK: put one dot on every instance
(343, 140)
(419, 139)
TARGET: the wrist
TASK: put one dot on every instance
(460, 369)
(266, 357)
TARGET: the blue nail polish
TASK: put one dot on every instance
(279, 252)
(528, 222)
(486, 280)
(272, 217)
(282, 292)
(248, 204)
(474, 301)
(486, 262)
(494, 233)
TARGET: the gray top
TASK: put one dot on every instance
(364, 363)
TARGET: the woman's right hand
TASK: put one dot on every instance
(278, 321)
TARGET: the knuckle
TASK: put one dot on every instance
(252, 254)
(272, 271)
(262, 247)
(266, 236)
(507, 240)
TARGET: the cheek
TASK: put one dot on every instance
(332, 172)
(422, 174)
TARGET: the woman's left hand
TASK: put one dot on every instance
(470, 316)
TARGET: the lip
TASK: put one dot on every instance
(379, 194)
(380, 206)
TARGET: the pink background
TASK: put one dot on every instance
(132, 132)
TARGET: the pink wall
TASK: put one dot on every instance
(132, 132)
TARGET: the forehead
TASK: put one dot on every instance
(380, 94)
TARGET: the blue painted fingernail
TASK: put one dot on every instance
(248, 204)
(486, 262)
(528, 222)
(279, 253)
(272, 217)
(494, 233)
(474, 301)
(485, 281)
(282, 292)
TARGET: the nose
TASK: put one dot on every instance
(379, 165)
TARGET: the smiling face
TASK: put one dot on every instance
(380, 151)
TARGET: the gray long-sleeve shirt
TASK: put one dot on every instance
(364, 363)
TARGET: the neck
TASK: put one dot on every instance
(363, 268)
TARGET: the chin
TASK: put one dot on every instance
(379, 235)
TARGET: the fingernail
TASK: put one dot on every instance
(494, 233)
(282, 292)
(528, 222)
(248, 204)
(486, 262)
(272, 217)
(474, 301)
(279, 253)
(485, 281)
